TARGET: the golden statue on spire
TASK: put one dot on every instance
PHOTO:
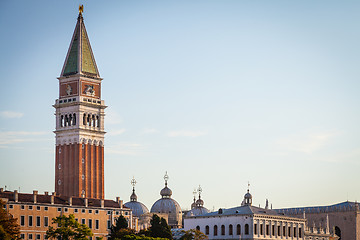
(81, 9)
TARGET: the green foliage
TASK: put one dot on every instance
(120, 229)
(159, 228)
(136, 237)
(68, 229)
(9, 229)
(193, 234)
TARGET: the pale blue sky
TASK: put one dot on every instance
(217, 93)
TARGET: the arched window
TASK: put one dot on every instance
(215, 230)
(238, 229)
(88, 120)
(338, 232)
(61, 121)
(74, 119)
(93, 120)
(230, 229)
(222, 230)
(65, 121)
(246, 229)
(84, 119)
(198, 228)
(69, 120)
(207, 230)
(97, 121)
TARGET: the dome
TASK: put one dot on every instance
(168, 206)
(247, 195)
(171, 207)
(137, 208)
(166, 192)
(197, 211)
(199, 202)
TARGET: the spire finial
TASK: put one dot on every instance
(199, 191)
(133, 183)
(248, 190)
(194, 193)
(166, 178)
(133, 196)
(81, 9)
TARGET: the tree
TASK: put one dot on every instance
(193, 234)
(159, 228)
(68, 229)
(9, 229)
(120, 229)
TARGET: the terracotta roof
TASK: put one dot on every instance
(61, 200)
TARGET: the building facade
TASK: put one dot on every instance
(255, 223)
(344, 218)
(34, 212)
(79, 167)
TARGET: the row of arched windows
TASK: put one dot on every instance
(91, 120)
(68, 120)
(230, 229)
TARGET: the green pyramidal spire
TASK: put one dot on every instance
(80, 58)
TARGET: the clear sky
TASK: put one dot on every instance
(217, 93)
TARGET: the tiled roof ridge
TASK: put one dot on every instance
(62, 200)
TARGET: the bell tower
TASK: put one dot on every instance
(79, 157)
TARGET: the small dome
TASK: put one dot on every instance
(133, 197)
(197, 211)
(193, 205)
(247, 195)
(248, 198)
(199, 202)
(137, 208)
(166, 192)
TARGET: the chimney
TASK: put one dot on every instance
(52, 197)
(16, 196)
(102, 202)
(121, 203)
(35, 193)
(86, 202)
(70, 201)
(46, 193)
(1, 190)
(117, 199)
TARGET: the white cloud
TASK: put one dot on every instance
(184, 133)
(125, 149)
(13, 137)
(10, 114)
(116, 132)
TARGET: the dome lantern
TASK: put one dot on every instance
(248, 197)
(166, 192)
